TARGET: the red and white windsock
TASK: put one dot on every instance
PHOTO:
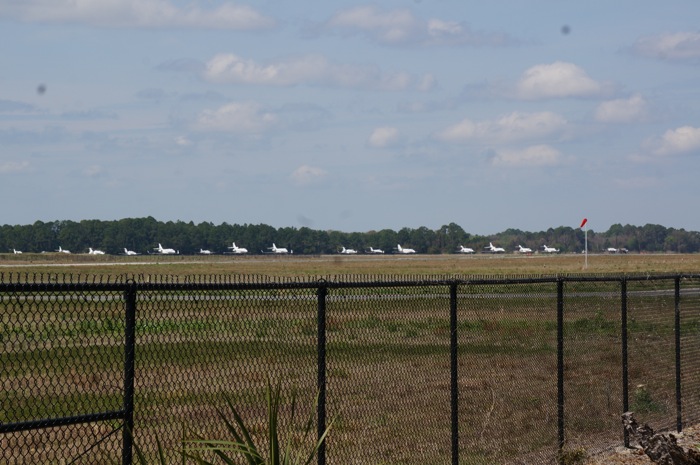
(583, 223)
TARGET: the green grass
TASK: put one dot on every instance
(388, 355)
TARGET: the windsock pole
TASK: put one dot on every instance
(585, 236)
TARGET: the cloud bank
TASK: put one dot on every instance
(137, 14)
(228, 68)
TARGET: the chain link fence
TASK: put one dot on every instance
(477, 370)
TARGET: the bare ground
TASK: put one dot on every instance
(688, 439)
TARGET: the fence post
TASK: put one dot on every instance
(625, 367)
(560, 366)
(321, 384)
(454, 386)
(129, 362)
(677, 323)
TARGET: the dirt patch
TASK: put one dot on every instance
(688, 439)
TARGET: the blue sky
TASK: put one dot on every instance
(349, 115)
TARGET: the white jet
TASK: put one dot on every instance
(163, 251)
(550, 249)
(494, 249)
(525, 250)
(237, 250)
(348, 251)
(403, 250)
(95, 251)
(463, 249)
(60, 250)
(205, 252)
(276, 249)
(15, 251)
(371, 250)
(130, 252)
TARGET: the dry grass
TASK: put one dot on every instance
(388, 366)
(333, 265)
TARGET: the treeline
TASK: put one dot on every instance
(143, 235)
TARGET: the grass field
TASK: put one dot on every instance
(330, 265)
(388, 354)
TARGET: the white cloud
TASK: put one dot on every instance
(557, 80)
(401, 27)
(676, 141)
(237, 117)
(537, 155)
(183, 141)
(628, 110)
(305, 175)
(311, 70)
(396, 26)
(13, 167)
(137, 13)
(512, 127)
(383, 137)
(681, 46)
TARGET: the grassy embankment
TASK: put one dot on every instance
(388, 354)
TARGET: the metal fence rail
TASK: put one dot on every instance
(477, 370)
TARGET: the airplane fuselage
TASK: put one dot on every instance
(494, 249)
(237, 250)
(405, 251)
(163, 251)
(280, 250)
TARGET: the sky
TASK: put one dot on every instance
(352, 116)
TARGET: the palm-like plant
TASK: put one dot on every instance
(243, 445)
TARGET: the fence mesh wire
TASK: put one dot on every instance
(389, 375)
(387, 371)
(63, 356)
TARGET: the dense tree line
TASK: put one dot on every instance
(144, 234)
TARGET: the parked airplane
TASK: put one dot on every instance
(371, 250)
(494, 249)
(130, 252)
(550, 249)
(60, 250)
(348, 251)
(15, 251)
(204, 252)
(276, 249)
(163, 251)
(237, 250)
(95, 251)
(463, 249)
(526, 250)
(402, 250)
